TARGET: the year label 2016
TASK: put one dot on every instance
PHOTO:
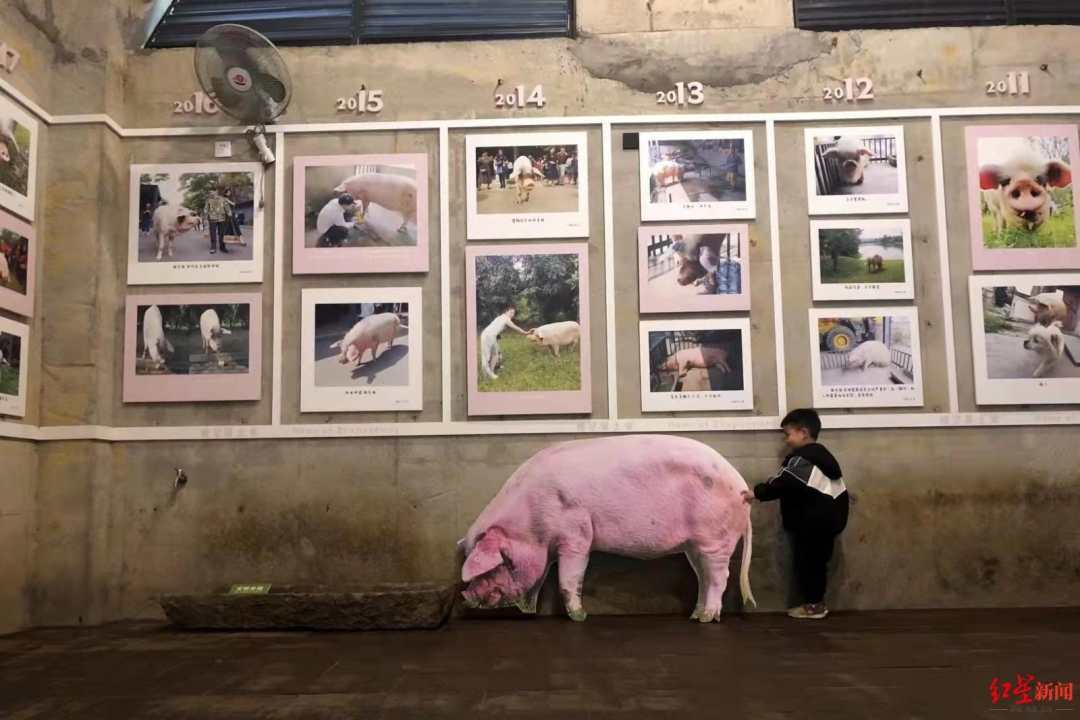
(1013, 84)
(516, 98)
(363, 101)
(198, 104)
(9, 57)
(691, 93)
(853, 90)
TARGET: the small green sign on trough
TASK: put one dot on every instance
(250, 589)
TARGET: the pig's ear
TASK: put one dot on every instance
(989, 177)
(1058, 174)
(484, 558)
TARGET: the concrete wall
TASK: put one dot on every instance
(941, 518)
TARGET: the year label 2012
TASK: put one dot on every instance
(198, 104)
(853, 90)
(691, 93)
(1013, 84)
(516, 98)
(9, 57)
(363, 101)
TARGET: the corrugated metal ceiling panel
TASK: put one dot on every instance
(438, 19)
(869, 14)
(283, 21)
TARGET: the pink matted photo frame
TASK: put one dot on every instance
(693, 268)
(1013, 149)
(185, 370)
(17, 284)
(521, 361)
(391, 191)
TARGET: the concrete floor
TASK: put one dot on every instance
(887, 665)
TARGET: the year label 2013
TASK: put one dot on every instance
(9, 57)
(1013, 84)
(516, 98)
(198, 104)
(363, 101)
(852, 90)
(691, 93)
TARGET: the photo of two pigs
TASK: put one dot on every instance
(1031, 331)
(10, 363)
(695, 360)
(192, 339)
(385, 209)
(362, 344)
(540, 295)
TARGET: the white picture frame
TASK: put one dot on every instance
(192, 262)
(496, 214)
(701, 171)
(887, 373)
(882, 187)
(662, 362)
(12, 376)
(392, 380)
(18, 174)
(1009, 361)
(854, 280)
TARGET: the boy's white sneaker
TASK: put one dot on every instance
(809, 612)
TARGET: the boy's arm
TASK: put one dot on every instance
(783, 482)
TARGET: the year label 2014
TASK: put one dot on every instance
(516, 98)
(852, 90)
(363, 101)
(198, 104)
(1013, 84)
(9, 57)
(691, 93)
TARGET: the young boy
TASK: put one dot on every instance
(813, 505)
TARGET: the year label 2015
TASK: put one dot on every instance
(852, 90)
(362, 101)
(691, 93)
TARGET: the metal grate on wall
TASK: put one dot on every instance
(343, 22)
(891, 14)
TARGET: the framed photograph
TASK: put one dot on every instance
(18, 258)
(192, 348)
(527, 185)
(18, 158)
(361, 350)
(360, 214)
(1020, 197)
(14, 367)
(694, 268)
(865, 357)
(528, 329)
(696, 365)
(1025, 338)
(196, 223)
(855, 170)
(861, 259)
(697, 175)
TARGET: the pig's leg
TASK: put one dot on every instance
(715, 561)
(572, 564)
(160, 245)
(701, 571)
(555, 350)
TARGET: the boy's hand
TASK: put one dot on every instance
(747, 496)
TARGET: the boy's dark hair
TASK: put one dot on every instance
(804, 419)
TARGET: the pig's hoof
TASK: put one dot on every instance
(696, 614)
(578, 615)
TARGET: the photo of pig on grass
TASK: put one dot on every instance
(192, 339)
(641, 496)
(528, 322)
(361, 344)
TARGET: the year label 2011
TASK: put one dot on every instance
(853, 90)
(1013, 84)
(363, 101)
(516, 98)
(691, 93)
(9, 57)
(198, 104)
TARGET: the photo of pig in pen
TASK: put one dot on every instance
(10, 364)
(368, 204)
(361, 344)
(856, 170)
(693, 269)
(1021, 189)
(696, 365)
(192, 339)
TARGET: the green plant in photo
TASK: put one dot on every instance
(528, 367)
(1059, 231)
(994, 322)
(9, 381)
(855, 270)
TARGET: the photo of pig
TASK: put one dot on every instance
(362, 344)
(697, 175)
(693, 268)
(382, 207)
(856, 170)
(10, 364)
(526, 185)
(192, 339)
(1023, 211)
(1030, 331)
(862, 259)
(696, 365)
(14, 261)
(18, 159)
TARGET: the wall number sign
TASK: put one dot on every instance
(853, 90)
(1014, 83)
(198, 104)
(363, 101)
(515, 98)
(9, 57)
(691, 93)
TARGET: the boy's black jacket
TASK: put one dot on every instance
(811, 490)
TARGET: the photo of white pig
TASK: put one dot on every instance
(155, 345)
(191, 339)
(212, 332)
(368, 334)
(361, 344)
(694, 356)
(395, 193)
(871, 351)
(169, 222)
(869, 354)
(641, 496)
(556, 335)
(5, 270)
(852, 159)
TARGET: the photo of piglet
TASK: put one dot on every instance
(192, 339)
(373, 204)
(695, 360)
(1031, 331)
(856, 164)
(362, 344)
(641, 496)
(868, 351)
(10, 363)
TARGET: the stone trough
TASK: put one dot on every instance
(380, 607)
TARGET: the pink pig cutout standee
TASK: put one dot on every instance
(642, 496)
